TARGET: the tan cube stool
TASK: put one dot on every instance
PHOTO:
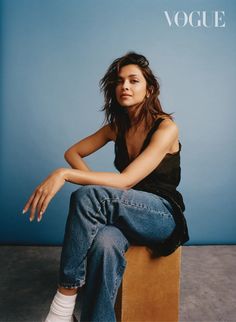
(150, 288)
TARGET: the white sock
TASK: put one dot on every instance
(62, 308)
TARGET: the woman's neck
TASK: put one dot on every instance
(143, 126)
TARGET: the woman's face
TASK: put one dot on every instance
(131, 87)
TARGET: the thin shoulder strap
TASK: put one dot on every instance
(155, 126)
(150, 133)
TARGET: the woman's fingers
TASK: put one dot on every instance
(28, 203)
(43, 194)
(39, 206)
(44, 205)
(34, 204)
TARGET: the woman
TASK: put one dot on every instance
(109, 211)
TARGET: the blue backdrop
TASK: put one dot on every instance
(53, 54)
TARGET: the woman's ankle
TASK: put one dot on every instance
(67, 291)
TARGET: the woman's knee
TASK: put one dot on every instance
(81, 191)
(83, 196)
(97, 191)
(88, 192)
(110, 240)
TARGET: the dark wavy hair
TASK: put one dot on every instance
(115, 114)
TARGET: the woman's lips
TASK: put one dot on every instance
(125, 95)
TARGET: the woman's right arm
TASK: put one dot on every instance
(75, 154)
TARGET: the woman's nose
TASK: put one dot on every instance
(125, 85)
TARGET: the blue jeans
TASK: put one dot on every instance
(101, 224)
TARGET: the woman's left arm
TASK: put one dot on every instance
(143, 165)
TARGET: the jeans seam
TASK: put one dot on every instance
(128, 203)
(92, 236)
(119, 274)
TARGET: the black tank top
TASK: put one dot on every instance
(163, 182)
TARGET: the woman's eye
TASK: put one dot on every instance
(132, 81)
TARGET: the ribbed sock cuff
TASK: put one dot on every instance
(62, 307)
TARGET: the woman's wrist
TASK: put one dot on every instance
(65, 173)
(62, 172)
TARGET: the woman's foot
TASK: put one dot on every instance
(62, 308)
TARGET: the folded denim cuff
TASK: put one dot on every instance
(71, 285)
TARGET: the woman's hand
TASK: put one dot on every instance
(43, 194)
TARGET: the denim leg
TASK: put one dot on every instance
(106, 265)
(143, 218)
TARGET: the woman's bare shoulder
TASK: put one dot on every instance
(167, 123)
(170, 128)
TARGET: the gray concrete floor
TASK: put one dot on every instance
(28, 280)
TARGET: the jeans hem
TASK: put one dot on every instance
(70, 285)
